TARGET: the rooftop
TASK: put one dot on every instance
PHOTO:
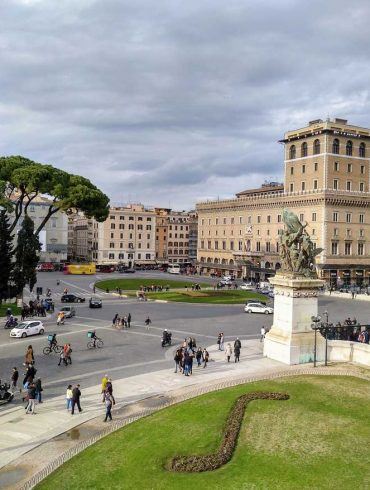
(266, 188)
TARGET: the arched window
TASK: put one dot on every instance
(267, 265)
(292, 152)
(362, 150)
(349, 148)
(336, 146)
(277, 266)
(223, 261)
(209, 260)
(248, 246)
(216, 261)
(304, 149)
(316, 147)
(231, 262)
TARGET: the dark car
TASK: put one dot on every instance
(95, 303)
(127, 270)
(72, 298)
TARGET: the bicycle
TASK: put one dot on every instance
(98, 344)
(52, 348)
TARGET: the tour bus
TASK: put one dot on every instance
(79, 269)
(174, 269)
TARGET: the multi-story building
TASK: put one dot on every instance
(193, 237)
(54, 235)
(326, 183)
(172, 236)
(127, 236)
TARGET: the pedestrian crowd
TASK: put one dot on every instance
(350, 330)
(122, 321)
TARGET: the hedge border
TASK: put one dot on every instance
(73, 451)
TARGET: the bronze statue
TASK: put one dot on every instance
(297, 251)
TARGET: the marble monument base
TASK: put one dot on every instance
(291, 339)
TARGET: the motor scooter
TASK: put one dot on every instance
(11, 323)
(6, 396)
(166, 339)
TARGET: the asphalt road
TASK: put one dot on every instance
(138, 350)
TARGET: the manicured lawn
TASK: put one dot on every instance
(208, 296)
(135, 283)
(5, 306)
(319, 438)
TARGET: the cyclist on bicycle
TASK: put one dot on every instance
(53, 341)
(94, 338)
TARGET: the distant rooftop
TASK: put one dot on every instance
(266, 188)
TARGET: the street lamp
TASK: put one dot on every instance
(315, 325)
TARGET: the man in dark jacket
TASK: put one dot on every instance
(76, 395)
(15, 376)
(237, 347)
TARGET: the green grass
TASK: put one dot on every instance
(319, 438)
(15, 309)
(135, 284)
(214, 297)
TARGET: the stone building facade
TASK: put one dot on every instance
(326, 183)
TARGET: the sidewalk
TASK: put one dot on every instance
(20, 432)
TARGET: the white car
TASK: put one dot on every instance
(246, 286)
(69, 311)
(258, 308)
(25, 329)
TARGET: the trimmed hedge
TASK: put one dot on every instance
(209, 462)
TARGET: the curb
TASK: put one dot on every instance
(192, 393)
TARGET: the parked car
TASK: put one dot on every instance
(128, 270)
(69, 311)
(25, 329)
(72, 298)
(246, 286)
(266, 291)
(95, 303)
(258, 308)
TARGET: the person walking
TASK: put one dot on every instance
(148, 321)
(104, 382)
(129, 320)
(29, 357)
(237, 347)
(199, 356)
(31, 393)
(205, 357)
(67, 353)
(38, 389)
(69, 396)
(62, 358)
(228, 351)
(109, 387)
(177, 359)
(76, 395)
(222, 341)
(30, 373)
(14, 379)
(114, 321)
(109, 402)
(219, 341)
(263, 333)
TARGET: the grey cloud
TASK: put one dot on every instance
(176, 100)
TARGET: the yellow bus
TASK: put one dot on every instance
(79, 269)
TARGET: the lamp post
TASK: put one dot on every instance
(326, 336)
(316, 320)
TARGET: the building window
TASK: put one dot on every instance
(301, 217)
(315, 166)
(361, 233)
(315, 184)
(291, 170)
(121, 218)
(240, 245)
(148, 227)
(258, 219)
(349, 167)
(201, 244)
(362, 187)
(216, 245)
(347, 248)
(224, 221)
(348, 217)
(336, 166)
(224, 245)
(336, 146)
(335, 184)
(112, 216)
(335, 231)
(268, 247)
(149, 219)
(348, 233)
(147, 256)
(303, 186)
(209, 244)
(291, 187)
(304, 149)
(316, 147)
(231, 244)
(258, 246)
(279, 218)
(131, 218)
(313, 231)
(362, 150)
(361, 218)
(292, 152)
(362, 169)
(240, 220)
(121, 226)
(249, 220)
(112, 235)
(232, 221)
(335, 216)
(216, 221)
(349, 148)
(111, 256)
(303, 169)
(121, 256)
(334, 248)
(349, 185)
(360, 249)
(268, 219)
(313, 216)
(111, 245)
(112, 226)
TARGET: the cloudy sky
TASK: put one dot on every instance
(171, 102)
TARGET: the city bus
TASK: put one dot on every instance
(79, 269)
(174, 269)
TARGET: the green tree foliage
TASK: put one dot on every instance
(6, 254)
(26, 256)
(22, 180)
